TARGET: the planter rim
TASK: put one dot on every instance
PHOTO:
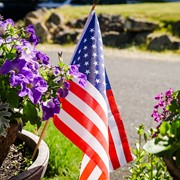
(39, 166)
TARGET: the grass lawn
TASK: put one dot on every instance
(152, 11)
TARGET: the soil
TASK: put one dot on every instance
(17, 160)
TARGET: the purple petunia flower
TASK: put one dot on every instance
(42, 58)
(63, 92)
(15, 65)
(31, 34)
(82, 78)
(50, 108)
(19, 72)
(4, 25)
(34, 90)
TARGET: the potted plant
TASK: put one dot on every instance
(30, 88)
(166, 139)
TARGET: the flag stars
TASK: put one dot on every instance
(79, 58)
(93, 38)
(95, 63)
(96, 72)
(100, 40)
(93, 46)
(91, 30)
(97, 81)
(86, 63)
(85, 47)
(85, 55)
(94, 55)
(102, 57)
(87, 71)
(79, 51)
(85, 40)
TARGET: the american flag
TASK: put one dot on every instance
(89, 116)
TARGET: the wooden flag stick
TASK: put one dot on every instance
(95, 2)
(40, 139)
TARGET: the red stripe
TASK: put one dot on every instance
(89, 100)
(103, 177)
(87, 170)
(79, 142)
(85, 122)
(119, 123)
(112, 152)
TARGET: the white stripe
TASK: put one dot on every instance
(84, 163)
(89, 113)
(90, 89)
(85, 135)
(95, 174)
(116, 138)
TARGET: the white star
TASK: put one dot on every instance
(97, 81)
(93, 38)
(86, 55)
(85, 40)
(79, 51)
(96, 72)
(100, 40)
(94, 55)
(87, 71)
(92, 30)
(95, 63)
(86, 63)
(85, 47)
(78, 58)
(93, 46)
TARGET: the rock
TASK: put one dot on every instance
(176, 28)
(176, 45)
(56, 19)
(139, 26)
(163, 43)
(66, 37)
(140, 38)
(42, 32)
(34, 17)
(115, 39)
(111, 23)
(79, 23)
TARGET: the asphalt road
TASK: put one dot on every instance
(135, 79)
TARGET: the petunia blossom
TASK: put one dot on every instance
(34, 90)
(50, 108)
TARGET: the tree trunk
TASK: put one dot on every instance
(172, 168)
(6, 142)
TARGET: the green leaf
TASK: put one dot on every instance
(165, 128)
(153, 148)
(30, 113)
(13, 99)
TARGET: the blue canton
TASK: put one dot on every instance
(89, 55)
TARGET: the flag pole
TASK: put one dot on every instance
(40, 139)
(95, 2)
